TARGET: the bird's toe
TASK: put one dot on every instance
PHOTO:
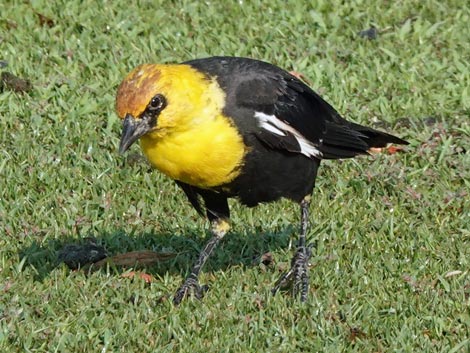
(297, 276)
(190, 286)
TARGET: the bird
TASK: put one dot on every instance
(232, 127)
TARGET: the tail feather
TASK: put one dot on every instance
(349, 140)
(376, 138)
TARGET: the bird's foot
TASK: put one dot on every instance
(297, 276)
(190, 285)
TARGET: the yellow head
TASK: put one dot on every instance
(162, 99)
(177, 113)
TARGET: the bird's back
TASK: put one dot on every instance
(287, 127)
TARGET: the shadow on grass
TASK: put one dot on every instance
(235, 249)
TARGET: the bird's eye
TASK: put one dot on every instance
(157, 103)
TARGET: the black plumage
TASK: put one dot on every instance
(274, 167)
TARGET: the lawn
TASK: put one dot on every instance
(391, 266)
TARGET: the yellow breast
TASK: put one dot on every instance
(205, 156)
(192, 140)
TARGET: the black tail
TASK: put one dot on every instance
(376, 138)
(350, 139)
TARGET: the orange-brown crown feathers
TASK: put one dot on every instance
(190, 94)
(137, 89)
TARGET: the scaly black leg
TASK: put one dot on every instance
(298, 273)
(219, 227)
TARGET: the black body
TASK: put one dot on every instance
(274, 167)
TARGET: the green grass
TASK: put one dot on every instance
(389, 228)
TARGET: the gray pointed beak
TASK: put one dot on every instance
(132, 129)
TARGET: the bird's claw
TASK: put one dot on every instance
(297, 275)
(191, 285)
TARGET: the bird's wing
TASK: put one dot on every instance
(292, 117)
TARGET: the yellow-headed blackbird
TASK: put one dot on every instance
(234, 127)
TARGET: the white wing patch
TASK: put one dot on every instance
(276, 126)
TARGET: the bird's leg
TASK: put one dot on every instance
(298, 273)
(219, 227)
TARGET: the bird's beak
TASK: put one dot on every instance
(132, 129)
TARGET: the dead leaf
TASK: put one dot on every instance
(355, 333)
(259, 303)
(45, 21)
(142, 275)
(375, 150)
(7, 286)
(267, 259)
(299, 76)
(69, 54)
(134, 258)
(394, 149)
(413, 193)
(411, 281)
